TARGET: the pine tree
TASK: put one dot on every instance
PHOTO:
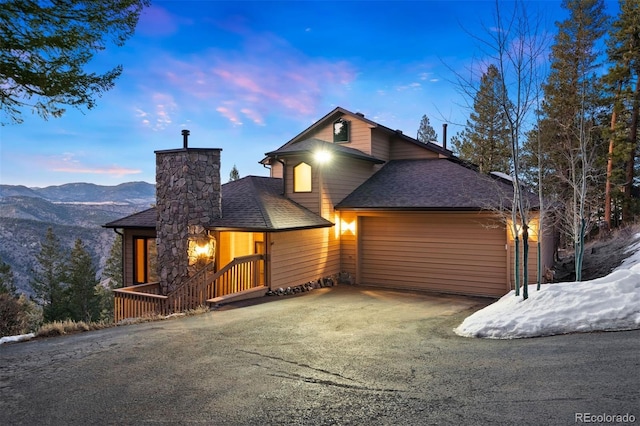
(83, 300)
(46, 46)
(7, 285)
(572, 141)
(623, 81)
(10, 308)
(112, 277)
(113, 267)
(426, 133)
(234, 174)
(48, 282)
(485, 140)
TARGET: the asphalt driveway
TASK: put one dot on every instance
(342, 355)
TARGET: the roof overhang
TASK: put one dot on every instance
(253, 229)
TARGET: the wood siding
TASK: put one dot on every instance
(380, 145)
(532, 266)
(403, 150)
(445, 252)
(297, 257)
(276, 169)
(340, 178)
(359, 136)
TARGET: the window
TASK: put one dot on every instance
(145, 259)
(340, 131)
(302, 178)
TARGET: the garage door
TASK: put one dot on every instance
(453, 253)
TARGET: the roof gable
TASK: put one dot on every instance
(340, 112)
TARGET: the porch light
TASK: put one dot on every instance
(201, 251)
(533, 230)
(322, 156)
(347, 227)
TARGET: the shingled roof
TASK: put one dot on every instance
(256, 203)
(252, 203)
(144, 219)
(433, 184)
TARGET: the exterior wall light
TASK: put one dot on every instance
(322, 156)
(347, 227)
(534, 226)
(202, 250)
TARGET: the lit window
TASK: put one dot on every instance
(340, 131)
(302, 178)
(145, 255)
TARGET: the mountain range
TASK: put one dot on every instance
(74, 210)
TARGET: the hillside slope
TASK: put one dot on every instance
(73, 211)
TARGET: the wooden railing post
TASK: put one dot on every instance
(241, 274)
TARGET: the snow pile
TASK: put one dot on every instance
(634, 257)
(605, 304)
(19, 338)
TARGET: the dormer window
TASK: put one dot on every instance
(302, 178)
(341, 131)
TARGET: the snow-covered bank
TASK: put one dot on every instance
(19, 338)
(605, 304)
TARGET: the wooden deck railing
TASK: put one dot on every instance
(242, 273)
(137, 301)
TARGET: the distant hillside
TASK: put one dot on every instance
(75, 210)
(131, 193)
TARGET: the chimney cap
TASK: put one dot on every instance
(185, 138)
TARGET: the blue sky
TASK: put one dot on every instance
(249, 76)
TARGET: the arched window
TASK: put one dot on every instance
(302, 178)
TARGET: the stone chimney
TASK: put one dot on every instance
(187, 199)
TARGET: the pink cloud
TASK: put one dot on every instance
(253, 115)
(67, 163)
(158, 115)
(266, 76)
(229, 114)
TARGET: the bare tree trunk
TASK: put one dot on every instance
(607, 187)
(633, 135)
(540, 210)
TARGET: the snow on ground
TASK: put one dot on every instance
(604, 304)
(19, 338)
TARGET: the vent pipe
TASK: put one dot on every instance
(185, 138)
(444, 135)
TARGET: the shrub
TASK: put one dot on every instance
(18, 315)
(11, 315)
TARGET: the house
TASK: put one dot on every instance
(346, 197)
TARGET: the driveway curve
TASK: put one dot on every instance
(334, 356)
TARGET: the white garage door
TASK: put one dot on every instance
(448, 252)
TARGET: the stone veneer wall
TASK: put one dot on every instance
(187, 199)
